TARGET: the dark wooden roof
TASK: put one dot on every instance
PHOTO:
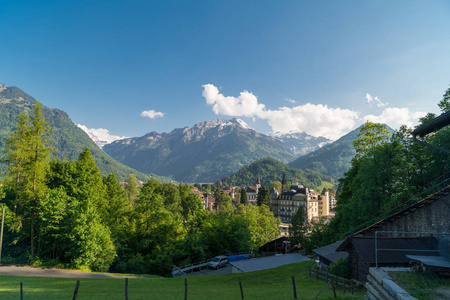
(432, 126)
(374, 227)
(365, 248)
(329, 251)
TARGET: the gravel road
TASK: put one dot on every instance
(28, 271)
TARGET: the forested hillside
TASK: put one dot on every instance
(271, 170)
(388, 173)
(68, 139)
(333, 159)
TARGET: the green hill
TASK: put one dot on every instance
(271, 170)
(333, 159)
(68, 138)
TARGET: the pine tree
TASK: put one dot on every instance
(27, 158)
(264, 197)
(244, 197)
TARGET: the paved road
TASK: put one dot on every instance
(208, 271)
(28, 271)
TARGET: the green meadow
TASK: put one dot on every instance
(267, 284)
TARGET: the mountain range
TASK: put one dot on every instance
(204, 152)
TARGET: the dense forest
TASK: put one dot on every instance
(389, 172)
(271, 170)
(65, 213)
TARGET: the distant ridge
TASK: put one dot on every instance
(204, 152)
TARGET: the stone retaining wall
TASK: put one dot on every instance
(381, 286)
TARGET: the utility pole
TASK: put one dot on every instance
(1, 233)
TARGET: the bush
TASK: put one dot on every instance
(340, 268)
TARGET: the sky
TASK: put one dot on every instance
(126, 68)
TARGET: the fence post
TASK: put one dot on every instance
(185, 288)
(293, 286)
(126, 288)
(21, 291)
(242, 291)
(75, 293)
(334, 288)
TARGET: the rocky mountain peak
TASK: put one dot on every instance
(3, 87)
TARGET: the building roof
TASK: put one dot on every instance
(365, 247)
(251, 189)
(374, 227)
(434, 261)
(269, 262)
(329, 251)
(432, 126)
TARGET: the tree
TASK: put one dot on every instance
(263, 226)
(132, 188)
(444, 104)
(371, 136)
(191, 205)
(51, 222)
(264, 197)
(27, 157)
(89, 183)
(118, 209)
(223, 202)
(243, 197)
(276, 185)
(299, 227)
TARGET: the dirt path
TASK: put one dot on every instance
(28, 271)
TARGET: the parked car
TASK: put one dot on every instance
(218, 261)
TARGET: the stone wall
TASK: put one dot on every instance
(381, 286)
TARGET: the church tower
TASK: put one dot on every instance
(258, 184)
(283, 184)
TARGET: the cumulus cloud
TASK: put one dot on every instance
(376, 100)
(317, 120)
(101, 135)
(246, 105)
(152, 114)
(396, 117)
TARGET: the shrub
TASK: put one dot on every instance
(340, 268)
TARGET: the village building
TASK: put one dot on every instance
(286, 204)
(408, 232)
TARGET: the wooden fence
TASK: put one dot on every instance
(336, 281)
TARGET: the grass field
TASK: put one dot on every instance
(421, 285)
(267, 284)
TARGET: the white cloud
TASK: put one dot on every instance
(152, 114)
(317, 120)
(396, 117)
(245, 105)
(290, 100)
(101, 135)
(377, 101)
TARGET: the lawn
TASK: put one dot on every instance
(267, 284)
(421, 285)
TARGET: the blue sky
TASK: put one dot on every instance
(317, 66)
